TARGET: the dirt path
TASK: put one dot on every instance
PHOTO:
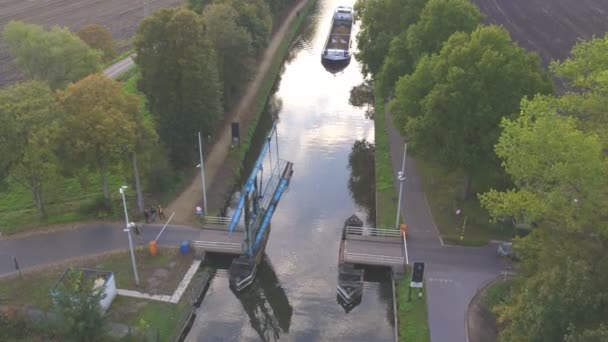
(185, 203)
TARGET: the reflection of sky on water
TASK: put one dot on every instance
(317, 129)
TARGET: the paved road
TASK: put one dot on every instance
(453, 274)
(44, 249)
(119, 67)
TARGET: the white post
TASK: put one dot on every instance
(128, 230)
(401, 178)
(200, 150)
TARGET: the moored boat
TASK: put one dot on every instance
(338, 43)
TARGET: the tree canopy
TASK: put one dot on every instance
(31, 115)
(450, 107)
(438, 21)
(179, 77)
(99, 124)
(99, 38)
(381, 21)
(556, 156)
(233, 45)
(56, 56)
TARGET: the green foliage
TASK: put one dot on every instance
(31, 115)
(179, 77)
(99, 38)
(381, 21)
(56, 56)
(451, 106)
(76, 302)
(255, 16)
(233, 44)
(558, 163)
(413, 323)
(101, 123)
(438, 21)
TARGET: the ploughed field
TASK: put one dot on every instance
(550, 27)
(121, 17)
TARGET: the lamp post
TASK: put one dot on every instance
(401, 178)
(128, 230)
(202, 166)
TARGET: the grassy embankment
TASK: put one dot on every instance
(158, 275)
(413, 325)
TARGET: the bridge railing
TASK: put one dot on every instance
(376, 232)
(374, 259)
(222, 221)
(216, 246)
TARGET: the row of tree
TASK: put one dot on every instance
(468, 97)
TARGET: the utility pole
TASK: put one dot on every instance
(128, 230)
(401, 178)
(202, 166)
(146, 7)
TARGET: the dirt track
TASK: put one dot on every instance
(550, 27)
(121, 17)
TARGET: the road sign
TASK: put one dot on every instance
(418, 273)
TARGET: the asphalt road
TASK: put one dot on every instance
(453, 274)
(44, 249)
(119, 67)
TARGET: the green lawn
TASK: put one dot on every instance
(33, 289)
(413, 324)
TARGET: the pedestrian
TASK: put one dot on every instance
(161, 212)
(152, 214)
(147, 215)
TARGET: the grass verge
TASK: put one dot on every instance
(412, 316)
(413, 324)
(159, 274)
(443, 190)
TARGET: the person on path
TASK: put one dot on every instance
(138, 233)
(161, 212)
(152, 214)
(147, 215)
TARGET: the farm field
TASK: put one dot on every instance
(550, 27)
(121, 17)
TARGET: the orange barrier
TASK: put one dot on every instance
(152, 247)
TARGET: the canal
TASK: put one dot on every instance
(330, 143)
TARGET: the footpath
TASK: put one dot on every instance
(453, 274)
(218, 174)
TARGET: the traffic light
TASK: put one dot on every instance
(418, 273)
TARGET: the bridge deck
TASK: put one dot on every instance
(374, 253)
(217, 239)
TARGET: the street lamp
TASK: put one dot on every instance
(202, 166)
(401, 178)
(128, 230)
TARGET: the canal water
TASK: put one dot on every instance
(330, 143)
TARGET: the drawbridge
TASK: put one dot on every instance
(246, 232)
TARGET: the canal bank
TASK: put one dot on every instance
(329, 141)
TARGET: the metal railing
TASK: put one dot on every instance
(218, 246)
(268, 193)
(370, 231)
(373, 259)
(223, 221)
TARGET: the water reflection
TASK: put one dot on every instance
(266, 304)
(362, 181)
(362, 96)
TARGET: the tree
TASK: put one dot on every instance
(233, 45)
(32, 115)
(76, 301)
(381, 21)
(255, 16)
(56, 56)
(99, 38)
(451, 106)
(562, 185)
(438, 21)
(179, 77)
(99, 125)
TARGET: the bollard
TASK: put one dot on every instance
(152, 247)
